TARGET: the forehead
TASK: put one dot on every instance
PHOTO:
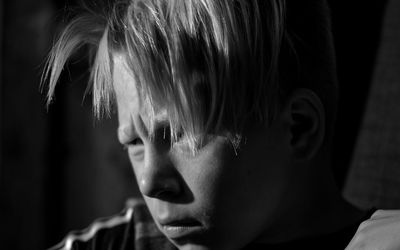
(124, 84)
(130, 104)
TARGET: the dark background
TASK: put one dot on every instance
(60, 168)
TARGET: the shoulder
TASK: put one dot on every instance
(379, 231)
(130, 229)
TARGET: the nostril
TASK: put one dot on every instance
(164, 193)
(158, 177)
(161, 187)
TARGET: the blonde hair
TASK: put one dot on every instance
(212, 64)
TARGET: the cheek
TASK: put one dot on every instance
(224, 198)
(216, 180)
(136, 166)
(240, 194)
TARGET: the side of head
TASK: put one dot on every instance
(216, 101)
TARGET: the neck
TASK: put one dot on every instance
(327, 211)
(315, 208)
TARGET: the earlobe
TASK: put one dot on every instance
(307, 123)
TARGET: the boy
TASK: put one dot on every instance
(226, 109)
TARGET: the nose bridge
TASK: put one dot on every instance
(159, 177)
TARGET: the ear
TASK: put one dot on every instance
(306, 116)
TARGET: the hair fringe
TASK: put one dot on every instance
(210, 65)
(82, 30)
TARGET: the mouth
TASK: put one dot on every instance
(181, 228)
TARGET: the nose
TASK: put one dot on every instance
(159, 178)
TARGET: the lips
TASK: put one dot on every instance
(181, 228)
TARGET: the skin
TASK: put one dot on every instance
(234, 197)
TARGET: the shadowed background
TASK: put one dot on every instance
(60, 169)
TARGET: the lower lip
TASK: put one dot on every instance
(180, 232)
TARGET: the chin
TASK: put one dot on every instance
(197, 246)
(193, 247)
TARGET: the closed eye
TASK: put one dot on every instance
(135, 149)
(135, 142)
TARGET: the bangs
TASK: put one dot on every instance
(200, 61)
(210, 65)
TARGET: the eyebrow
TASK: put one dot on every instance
(127, 133)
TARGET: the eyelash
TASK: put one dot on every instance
(134, 142)
(138, 141)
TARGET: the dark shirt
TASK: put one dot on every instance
(134, 228)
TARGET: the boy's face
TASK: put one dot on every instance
(216, 199)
